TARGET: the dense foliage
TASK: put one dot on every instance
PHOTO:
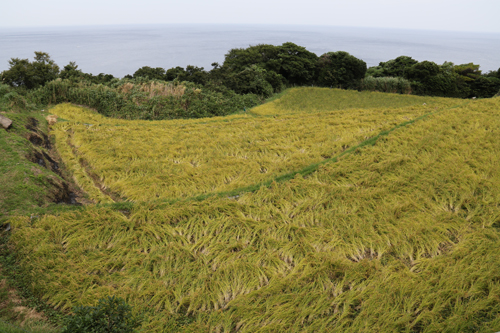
(387, 84)
(30, 74)
(340, 69)
(446, 80)
(294, 63)
(246, 77)
(110, 315)
(139, 99)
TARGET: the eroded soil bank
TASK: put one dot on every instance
(33, 181)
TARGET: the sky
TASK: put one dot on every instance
(447, 15)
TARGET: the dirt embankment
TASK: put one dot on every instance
(62, 189)
(33, 176)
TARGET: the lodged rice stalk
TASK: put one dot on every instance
(141, 160)
(72, 162)
(307, 100)
(399, 236)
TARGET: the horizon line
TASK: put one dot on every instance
(238, 24)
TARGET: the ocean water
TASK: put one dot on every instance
(121, 50)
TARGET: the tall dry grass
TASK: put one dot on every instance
(154, 89)
(395, 85)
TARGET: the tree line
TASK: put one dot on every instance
(266, 69)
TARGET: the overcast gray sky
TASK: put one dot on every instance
(455, 15)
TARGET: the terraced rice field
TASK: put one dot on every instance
(397, 235)
(144, 160)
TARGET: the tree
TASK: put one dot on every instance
(297, 65)
(18, 74)
(374, 71)
(71, 72)
(431, 79)
(101, 78)
(427, 82)
(468, 72)
(217, 76)
(191, 73)
(340, 69)
(292, 62)
(251, 80)
(194, 74)
(174, 73)
(44, 69)
(493, 74)
(393, 68)
(423, 71)
(265, 56)
(23, 73)
(484, 87)
(157, 73)
(398, 67)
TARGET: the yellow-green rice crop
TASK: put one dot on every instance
(401, 236)
(145, 160)
(307, 100)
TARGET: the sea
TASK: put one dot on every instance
(122, 49)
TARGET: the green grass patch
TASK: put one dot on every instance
(24, 183)
(306, 100)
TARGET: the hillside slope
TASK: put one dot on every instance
(399, 235)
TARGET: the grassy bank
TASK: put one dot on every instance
(31, 184)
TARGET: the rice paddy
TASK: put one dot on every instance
(399, 236)
(144, 160)
(310, 100)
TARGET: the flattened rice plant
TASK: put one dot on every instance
(306, 100)
(141, 160)
(399, 236)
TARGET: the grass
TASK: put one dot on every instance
(28, 327)
(396, 235)
(25, 167)
(18, 313)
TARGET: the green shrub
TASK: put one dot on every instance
(445, 84)
(251, 80)
(387, 84)
(143, 99)
(340, 70)
(15, 100)
(4, 90)
(109, 316)
(484, 87)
